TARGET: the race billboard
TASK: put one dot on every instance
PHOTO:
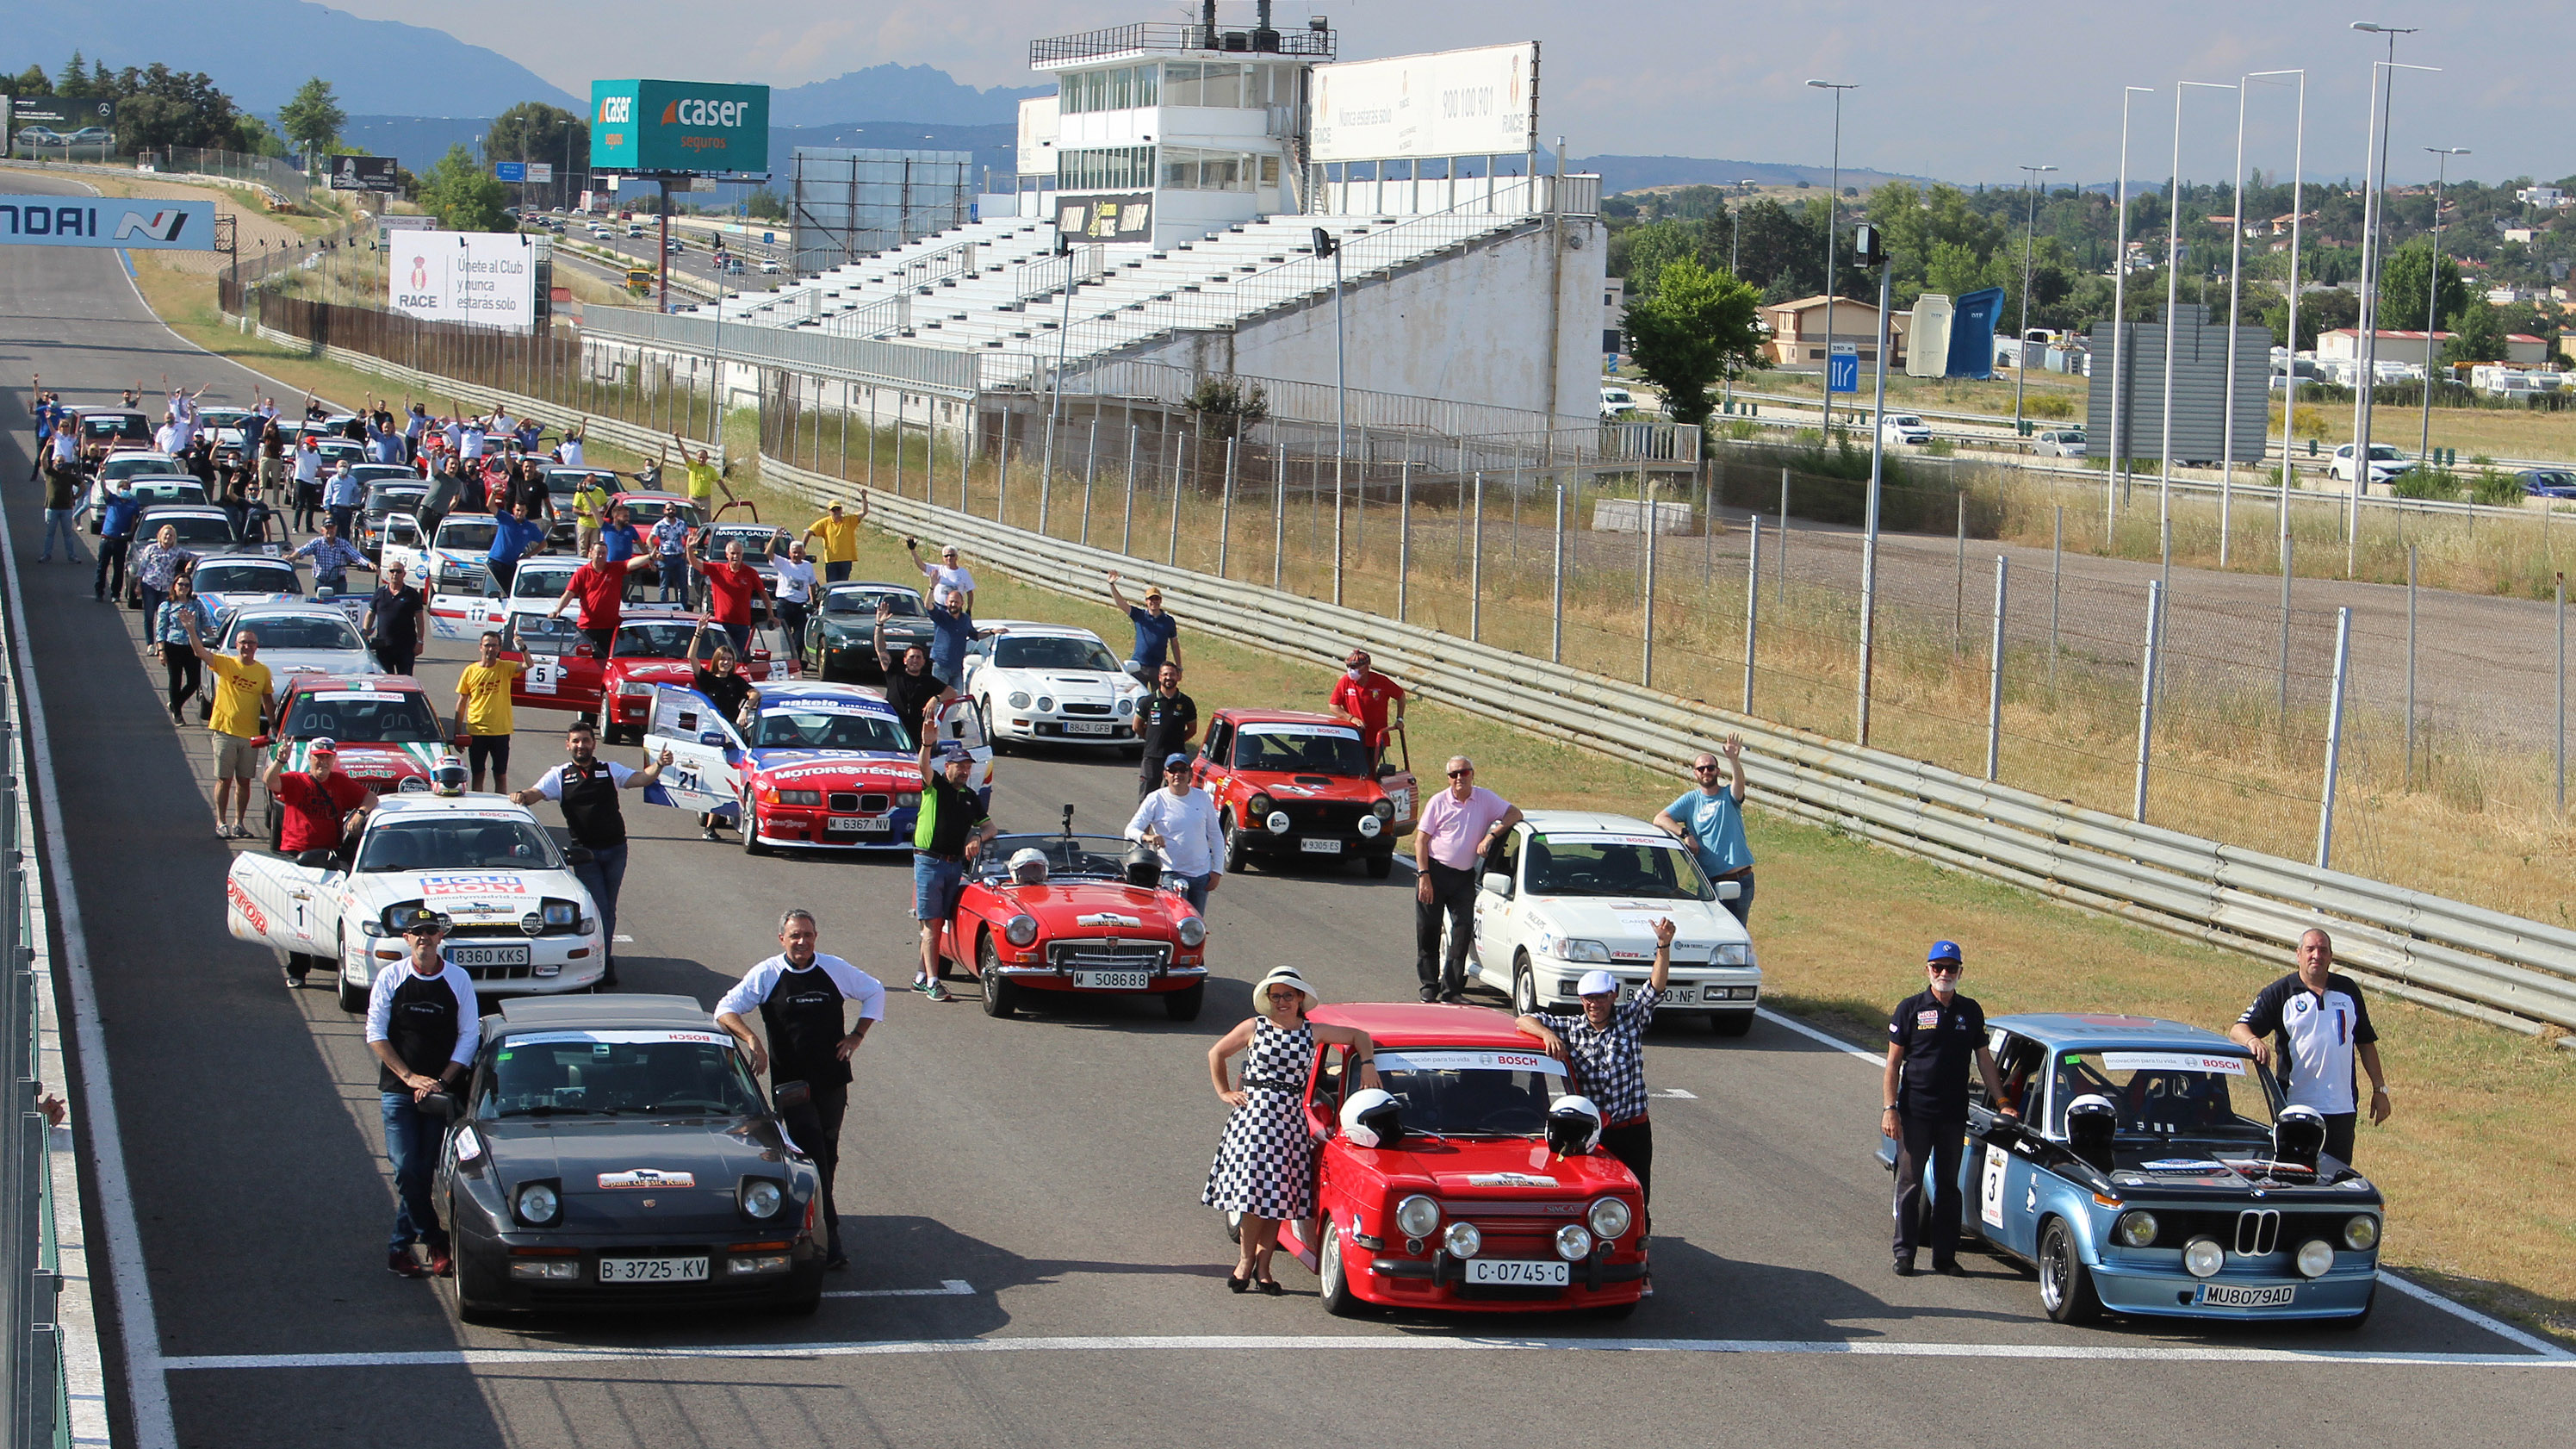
(361, 173)
(660, 125)
(1481, 102)
(106, 221)
(487, 278)
(58, 113)
(1123, 218)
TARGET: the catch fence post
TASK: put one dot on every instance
(1995, 679)
(2147, 699)
(2334, 739)
(2056, 574)
(1127, 523)
(2283, 676)
(2410, 665)
(1476, 565)
(1224, 511)
(1556, 589)
(1090, 467)
(1646, 665)
(1403, 531)
(1781, 596)
(1752, 604)
(1279, 519)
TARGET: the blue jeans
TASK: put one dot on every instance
(739, 636)
(411, 1141)
(675, 576)
(834, 573)
(1192, 888)
(603, 875)
(59, 520)
(936, 884)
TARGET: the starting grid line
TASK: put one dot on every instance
(504, 1358)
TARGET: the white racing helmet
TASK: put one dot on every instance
(1573, 1126)
(447, 777)
(1026, 860)
(1371, 1118)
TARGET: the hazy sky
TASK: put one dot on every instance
(1966, 90)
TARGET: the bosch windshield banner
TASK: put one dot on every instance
(107, 221)
(661, 125)
(488, 278)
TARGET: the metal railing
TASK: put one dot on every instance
(1178, 36)
(1050, 275)
(868, 360)
(2480, 963)
(32, 1382)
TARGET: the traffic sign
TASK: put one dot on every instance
(510, 170)
(1842, 373)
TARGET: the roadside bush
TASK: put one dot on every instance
(2497, 490)
(2432, 485)
(1941, 448)
(2049, 405)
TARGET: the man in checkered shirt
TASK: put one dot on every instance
(1606, 1048)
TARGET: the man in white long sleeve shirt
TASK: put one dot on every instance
(1179, 822)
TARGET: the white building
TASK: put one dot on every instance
(2541, 196)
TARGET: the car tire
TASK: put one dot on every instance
(1184, 1004)
(2065, 1284)
(984, 721)
(1001, 999)
(1524, 986)
(1335, 1277)
(1237, 853)
(1381, 865)
(1730, 1023)
(751, 831)
(353, 999)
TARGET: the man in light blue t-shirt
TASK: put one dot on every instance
(1710, 819)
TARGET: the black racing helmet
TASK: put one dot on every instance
(1373, 1118)
(2091, 1122)
(2299, 1136)
(1144, 868)
(1573, 1126)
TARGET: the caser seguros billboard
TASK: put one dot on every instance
(661, 125)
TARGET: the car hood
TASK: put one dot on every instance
(2233, 1170)
(468, 897)
(687, 1168)
(1626, 924)
(1500, 1170)
(833, 769)
(284, 662)
(1286, 785)
(1092, 908)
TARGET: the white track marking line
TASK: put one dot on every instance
(1875, 1059)
(502, 1358)
(948, 1288)
(146, 1388)
(2457, 1309)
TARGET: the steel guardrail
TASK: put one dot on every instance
(2462, 958)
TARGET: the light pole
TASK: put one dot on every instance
(2116, 478)
(1734, 250)
(2290, 372)
(2029, 231)
(2433, 294)
(1833, 225)
(1868, 250)
(2173, 295)
(2375, 180)
(1326, 245)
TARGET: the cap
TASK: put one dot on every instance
(323, 745)
(835, 505)
(1944, 951)
(1153, 593)
(1027, 856)
(1176, 761)
(1597, 983)
(404, 920)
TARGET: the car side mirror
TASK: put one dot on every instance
(439, 1105)
(1728, 890)
(314, 859)
(1495, 883)
(1385, 769)
(577, 855)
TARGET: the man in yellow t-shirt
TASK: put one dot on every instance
(241, 705)
(589, 506)
(483, 712)
(839, 532)
(704, 479)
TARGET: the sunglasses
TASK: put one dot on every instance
(1704, 769)
(1947, 968)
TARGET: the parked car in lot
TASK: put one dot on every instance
(819, 767)
(1288, 783)
(297, 636)
(2155, 1170)
(2059, 443)
(840, 638)
(1051, 684)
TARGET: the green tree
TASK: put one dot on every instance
(2405, 282)
(2478, 334)
(73, 82)
(1654, 246)
(1692, 329)
(161, 107)
(463, 195)
(766, 205)
(29, 82)
(313, 119)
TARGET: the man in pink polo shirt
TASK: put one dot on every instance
(1457, 827)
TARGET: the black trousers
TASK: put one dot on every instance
(2339, 1127)
(110, 582)
(1453, 894)
(186, 673)
(1634, 1144)
(1942, 1143)
(816, 1126)
(397, 656)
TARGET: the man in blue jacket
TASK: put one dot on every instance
(512, 536)
(115, 531)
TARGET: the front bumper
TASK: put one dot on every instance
(576, 961)
(1179, 977)
(2341, 1293)
(1438, 1280)
(795, 827)
(1328, 844)
(483, 1271)
(1057, 729)
(1686, 989)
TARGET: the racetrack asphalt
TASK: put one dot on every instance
(1051, 1165)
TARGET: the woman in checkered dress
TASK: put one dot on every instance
(1265, 1164)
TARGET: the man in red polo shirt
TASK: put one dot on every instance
(600, 588)
(318, 809)
(1362, 697)
(731, 586)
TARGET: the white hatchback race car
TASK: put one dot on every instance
(1050, 683)
(1572, 891)
(453, 562)
(533, 590)
(522, 921)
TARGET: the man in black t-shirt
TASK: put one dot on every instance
(1931, 1037)
(910, 688)
(587, 786)
(423, 1027)
(1166, 720)
(395, 620)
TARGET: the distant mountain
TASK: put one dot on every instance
(918, 91)
(259, 51)
(1631, 173)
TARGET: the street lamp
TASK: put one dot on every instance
(2375, 180)
(1833, 225)
(1734, 249)
(2029, 230)
(2290, 370)
(2173, 295)
(2114, 478)
(2433, 294)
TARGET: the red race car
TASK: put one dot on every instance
(650, 648)
(1094, 921)
(1289, 783)
(1466, 1205)
(386, 725)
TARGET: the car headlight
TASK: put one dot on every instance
(800, 797)
(561, 915)
(1416, 1216)
(2361, 1233)
(1609, 1218)
(1021, 931)
(533, 923)
(1123, 708)
(1256, 807)
(1577, 949)
(909, 799)
(1462, 1240)
(1193, 931)
(1573, 1243)
(762, 1198)
(1276, 822)
(635, 687)
(1384, 809)
(1734, 954)
(2202, 1257)
(537, 1205)
(1019, 699)
(2135, 1229)
(2315, 1257)
(1045, 705)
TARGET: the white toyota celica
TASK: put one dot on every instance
(1052, 683)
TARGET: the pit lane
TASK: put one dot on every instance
(1052, 1164)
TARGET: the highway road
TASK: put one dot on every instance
(1021, 1197)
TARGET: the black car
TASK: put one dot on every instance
(840, 638)
(615, 1152)
(562, 482)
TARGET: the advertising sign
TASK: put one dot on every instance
(661, 125)
(106, 221)
(1481, 102)
(541, 173)
(488, 278)
(362, 173)
(1123, 218)
(59, 114)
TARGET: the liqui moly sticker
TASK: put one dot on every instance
(472, 885)
(646, 1177)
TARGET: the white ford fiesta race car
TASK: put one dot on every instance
(522, 921)
(1053, 683)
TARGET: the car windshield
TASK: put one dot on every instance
(245, 578)
(755, 542)
(460, 842)
(134, 464)
(901, 603)
(379, 472)
(567, 481)
(2167, 1094)
(594, 1073)
(1472, 1093)
(301, 631)
(101, 426)
(1042, 651)
(1562, 866)
(810, 727)
(387, 497)
(466, 535)
(363, 717)
(538, 583)
(659, 639)
(1301, 749)
(168, 490)
(192, 527)
(1069, 857)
